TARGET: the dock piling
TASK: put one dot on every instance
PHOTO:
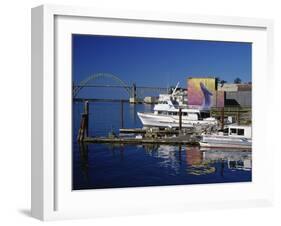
(222, 118)
(86, 112)
(180, 119)
(84, 125)
(121, 114)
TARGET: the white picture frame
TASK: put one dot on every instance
(52, 197)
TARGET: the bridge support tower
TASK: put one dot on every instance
(133, 98)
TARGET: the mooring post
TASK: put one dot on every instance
(238, 116)
(80, 131)
(84, 124)
(222, 118)
(86, 112)
(180, 119)
(121, 114)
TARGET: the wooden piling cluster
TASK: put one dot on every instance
(84, 124)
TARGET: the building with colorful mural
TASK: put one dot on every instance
(203, 93)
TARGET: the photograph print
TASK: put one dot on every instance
(159, 112)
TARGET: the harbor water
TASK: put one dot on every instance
(97, 166)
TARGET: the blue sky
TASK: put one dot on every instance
(159, 62)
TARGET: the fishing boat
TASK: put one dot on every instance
(167, 114)
(234, 136)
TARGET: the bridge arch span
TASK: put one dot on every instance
(93, 77)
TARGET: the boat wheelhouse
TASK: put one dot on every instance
(234, 136)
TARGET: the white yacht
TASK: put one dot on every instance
(166, 114)
(234, 136)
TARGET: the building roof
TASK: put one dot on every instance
(228, 87)
(244, 87)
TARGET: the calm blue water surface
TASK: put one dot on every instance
(115, 166)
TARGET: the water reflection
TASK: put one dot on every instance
(197, 164)
(194, 156)
(235, 159)
(84, 152)
(201, 158)
(116, 165)
(177, 159)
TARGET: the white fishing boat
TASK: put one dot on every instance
(167, 114)
(234, 136)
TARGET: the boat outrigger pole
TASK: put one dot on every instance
(175, 89)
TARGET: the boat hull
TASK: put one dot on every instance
(224, 145)
(213, 141)
(152, 120)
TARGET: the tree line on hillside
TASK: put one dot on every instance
(235, 81)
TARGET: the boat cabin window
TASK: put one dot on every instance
(235, 131)
(241, 132)
(162, 112)
(172, 113)
(184, 113)
(163, 102)
(225, 130)
(205, 114)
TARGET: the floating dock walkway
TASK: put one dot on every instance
(185, 140)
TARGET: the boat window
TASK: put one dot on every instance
(225, 130)
(184, 113)
(233, 131)
(241, 132)
(175, 113)
(205, 114)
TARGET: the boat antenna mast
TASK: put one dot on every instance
(175, 89)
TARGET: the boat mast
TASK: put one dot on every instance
(175, 89)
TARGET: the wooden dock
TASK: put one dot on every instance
(156, 131)
(132, 140)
